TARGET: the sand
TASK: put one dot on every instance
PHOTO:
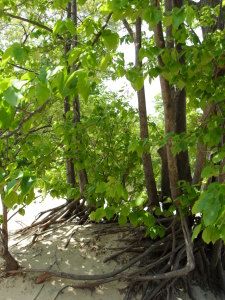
(87, 249)
(85, 254)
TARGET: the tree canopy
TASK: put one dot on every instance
(63, 132)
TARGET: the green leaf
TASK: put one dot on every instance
(152, 16)
(82, 2)
(105, 8)
(29, 197)
(210, 171)
(12, 96)
(211, 211)
(149, 219)
(99, 214)
(121, 192)
(11, 199)
(125, 210)
(16, 51)
(58, 27)
(133, 146)
(100, 188)
(178, 17)
(222, 232)
(59, 4)
(6, 118)
(134, 218)
(42, 93)
(122, 220)
(154, 231)
(21, 211)
(92, 216)
(73, 55)
(105, 62)
(207, 172)
(190, 15)
(83, 85)
(27, 183)
(110, 39)
(207, 234)
(70, 26)
(109, 212)
(28, 76)
(167, 21)
(71, 81)
(201, 203)
(196, 231)
(4, 84)
(11, 185)
(140, 200)
(136, 78)
(1, 174)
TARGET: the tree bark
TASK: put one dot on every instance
(169, 113)
(183, 164)
(70, 172)
(10, 263)
(82, 174)
(146, 157)
(165, 182)
(169, 35)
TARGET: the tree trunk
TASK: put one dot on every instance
(165, 182)
(183, 164)
(169, 113)
(146, 157)
(10, 263)
(82, 174)
(70, 173)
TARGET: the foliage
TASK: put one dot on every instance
(37, 75)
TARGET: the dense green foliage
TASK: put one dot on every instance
(37, 137)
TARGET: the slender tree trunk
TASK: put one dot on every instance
(165, 182)
(183, 164)
(82, 174)
(10, 263)
(146, 157)
(70, 173)
(199, 163)
(169, 113)
(169, 34)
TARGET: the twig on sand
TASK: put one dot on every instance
(86, 285)
(39, 292)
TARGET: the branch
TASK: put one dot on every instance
(38, 110)
(100, 32)
(21, 68)
(97, 36)
(129, 29)
(27, 21)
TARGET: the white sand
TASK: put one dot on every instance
(84, 255)
(88, 248)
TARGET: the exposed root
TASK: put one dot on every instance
(70, 211)
(154, 272)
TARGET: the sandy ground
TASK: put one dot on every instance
(88, 247)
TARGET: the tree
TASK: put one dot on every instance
(97, 133)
